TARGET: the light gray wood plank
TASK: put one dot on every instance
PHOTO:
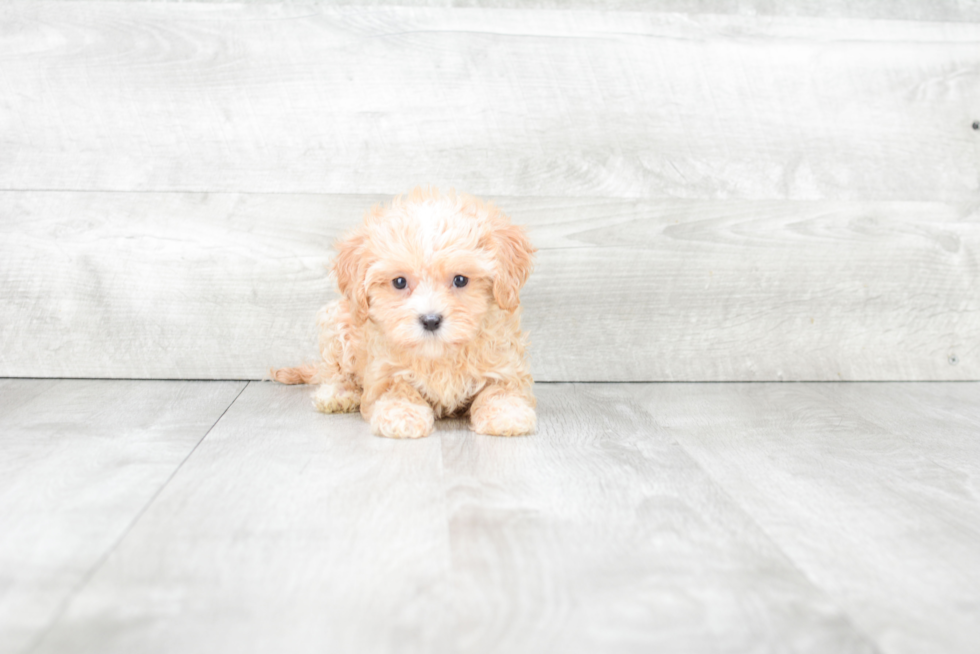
(935, 10)
(179, 286)
(185, 285)
(871, 490)
(599, 534)
(316, 98)
(688, 291)
(288, 530)
(79, 460)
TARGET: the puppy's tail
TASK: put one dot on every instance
(305, 374)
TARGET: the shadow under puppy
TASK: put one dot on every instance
(428, 322)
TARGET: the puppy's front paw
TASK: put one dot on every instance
(335, 398)
(504, 415)
(398, 418)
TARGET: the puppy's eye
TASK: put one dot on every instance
(459, 281)
(399, 283)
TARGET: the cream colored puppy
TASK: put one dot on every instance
(428, 323)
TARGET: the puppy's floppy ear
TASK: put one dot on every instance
(350, 266)
(514, 262)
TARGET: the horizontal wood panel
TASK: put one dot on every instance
(688, 291)
(935, 10)
(184, 285)
(497, 101)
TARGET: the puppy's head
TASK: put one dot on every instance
(428, 267)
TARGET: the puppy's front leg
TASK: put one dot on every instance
(502, 412)
(400, 412)
(336, 397)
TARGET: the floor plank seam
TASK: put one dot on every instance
(63, 606)
(844, 613)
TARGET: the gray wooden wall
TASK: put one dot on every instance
(779, 190)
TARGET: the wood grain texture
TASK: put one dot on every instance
(871, 490)
(79, 460)
(935, 10)
(289, 531)
(317, 98)
(162, 285)
(294, 531)
(599, 534)
(183, 285)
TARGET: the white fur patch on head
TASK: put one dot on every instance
(431, 219)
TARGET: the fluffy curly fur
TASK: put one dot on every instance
(377, 352)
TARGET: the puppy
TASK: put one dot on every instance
(428, 322)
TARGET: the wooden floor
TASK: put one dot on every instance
(168, 516)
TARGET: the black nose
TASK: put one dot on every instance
(431, 321)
